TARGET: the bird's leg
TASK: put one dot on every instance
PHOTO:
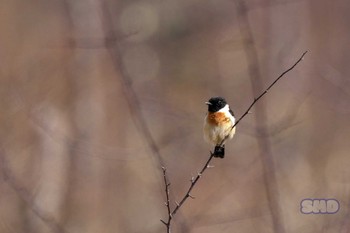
(219, 151)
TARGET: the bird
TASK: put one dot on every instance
(218, 124)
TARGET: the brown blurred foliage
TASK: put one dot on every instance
(97, 95)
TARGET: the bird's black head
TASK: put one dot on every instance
(215, 104)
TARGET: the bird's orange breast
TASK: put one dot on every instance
(217, 118)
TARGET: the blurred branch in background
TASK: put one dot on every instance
(194, 180)
(132, 99)
(106, 37)
(27, 197)
(96, 96)
(129, 92)
(269, 177)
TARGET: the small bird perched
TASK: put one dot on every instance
(218, 124)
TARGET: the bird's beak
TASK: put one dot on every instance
(208, 103)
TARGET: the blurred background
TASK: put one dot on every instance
(97, 95)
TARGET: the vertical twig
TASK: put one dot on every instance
(167, 202)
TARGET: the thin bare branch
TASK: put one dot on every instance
(193, 183)
(207, 165)
(188, 194)
(262, 94)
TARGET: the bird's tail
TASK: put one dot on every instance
(219, 151)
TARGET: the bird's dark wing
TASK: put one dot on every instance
(230, 110)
